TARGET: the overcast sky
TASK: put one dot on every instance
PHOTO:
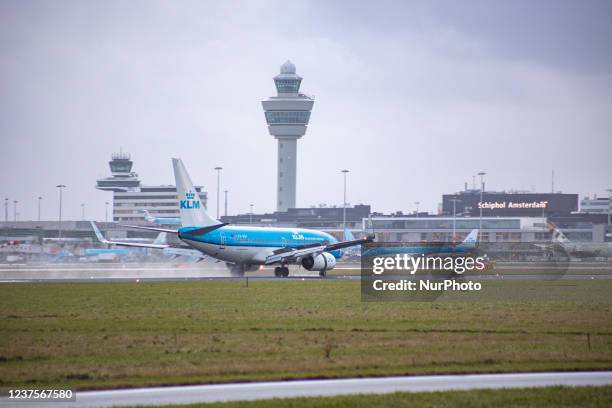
(414, 97)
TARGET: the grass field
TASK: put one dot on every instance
(98, 335)
(522, 397)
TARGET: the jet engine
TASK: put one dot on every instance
(322, 262)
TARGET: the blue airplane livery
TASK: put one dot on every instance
(246, 248)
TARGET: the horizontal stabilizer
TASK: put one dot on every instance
(205, 230)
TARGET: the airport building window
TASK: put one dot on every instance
(287, 85)
(121, 167)
(287, 117)
(433, 224)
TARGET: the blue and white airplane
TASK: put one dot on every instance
(160, 220)
(245, 248)
(469, 244)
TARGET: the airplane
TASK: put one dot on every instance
(159, 243)
(112, 253)
(246, 248)
(159, 220)
(468, 244)
(352, 251)
(577, 249)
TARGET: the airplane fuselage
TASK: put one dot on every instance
(251, 245)
(587, 249)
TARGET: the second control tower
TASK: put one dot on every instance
(287, 115)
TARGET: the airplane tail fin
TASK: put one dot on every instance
(147, 216)
(558, 236)
(348, 235)
(161, 239)
(471, 238)
(191, 208)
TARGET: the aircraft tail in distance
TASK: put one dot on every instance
(148, 216)
(348, 235)
(558, 236)
(471, 238)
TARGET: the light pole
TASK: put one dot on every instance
(344, 172)
(15, 210)
(454, 200)
(416, 203)
(251, 214)
(218, 168)
(39, 198)
(6, 209)
(609, 203)
(61, 187)
(481, 174)
(83, 211)
(106, 211)
(225, 191)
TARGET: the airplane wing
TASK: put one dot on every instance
(346, 244)
(312, 249)
(285, 253)
(127, 244)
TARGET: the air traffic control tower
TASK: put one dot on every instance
(287, 115)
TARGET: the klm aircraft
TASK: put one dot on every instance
(468, 244)
(245, 248)
(159, 220)
(577, 249)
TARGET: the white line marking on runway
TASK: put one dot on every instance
(310, 388)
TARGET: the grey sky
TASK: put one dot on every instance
(413, 97)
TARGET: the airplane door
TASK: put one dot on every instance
(283, 242)
(222, 239)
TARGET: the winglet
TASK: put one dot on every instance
(98, 233)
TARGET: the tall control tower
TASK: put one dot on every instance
(287, 115)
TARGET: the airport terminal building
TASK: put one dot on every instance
(130, 197)
(514, 216)
(512, 203)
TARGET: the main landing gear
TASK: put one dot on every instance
(281, 271)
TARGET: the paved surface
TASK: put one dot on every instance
(287, 389)
(115, 272)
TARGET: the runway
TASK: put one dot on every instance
(122, 272)
(289, 389)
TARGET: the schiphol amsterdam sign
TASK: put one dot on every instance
(497, 205)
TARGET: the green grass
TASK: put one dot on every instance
(522, 397)
(97, 335)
